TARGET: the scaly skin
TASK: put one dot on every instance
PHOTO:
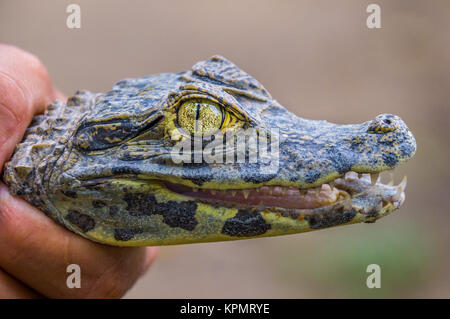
(101, 164)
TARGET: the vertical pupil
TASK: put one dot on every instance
(197, 116)
(200, 116)
(197, 112)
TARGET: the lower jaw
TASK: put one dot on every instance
(366, 203)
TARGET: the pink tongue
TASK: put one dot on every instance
(284, 197)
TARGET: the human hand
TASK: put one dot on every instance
(34, 250)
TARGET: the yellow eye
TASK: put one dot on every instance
(201, 116)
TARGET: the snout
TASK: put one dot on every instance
(385, 123)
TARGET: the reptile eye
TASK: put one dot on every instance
(201, 116)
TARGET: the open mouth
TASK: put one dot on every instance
(342, 189)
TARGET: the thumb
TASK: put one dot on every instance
(25, 90)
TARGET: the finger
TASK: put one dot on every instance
(25, 89)
(151, 255)
(59, 95)
(11, 288)
(37, 251)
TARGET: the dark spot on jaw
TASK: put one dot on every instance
(123, 234)
(334, 218)
(373, 213)
(82, 221)
(174, 213)
(245, 224)
(180, 215)
(390, 159)
(199, 181)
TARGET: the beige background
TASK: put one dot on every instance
(320, 61)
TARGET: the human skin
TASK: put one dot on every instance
(34, 250)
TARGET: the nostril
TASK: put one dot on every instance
(382, 124)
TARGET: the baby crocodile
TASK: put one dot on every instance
(106, 166)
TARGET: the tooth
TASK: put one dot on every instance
(402, 197)
(278, 191)
(391, 175)
(213, 191)
(331, 185)
(233, 193)
(246, 192)
(374, 178)
(396, 196)
(270, 190)
(317, 190)
(266, 189)
(351, 175)
(402, 184)
(283, 191)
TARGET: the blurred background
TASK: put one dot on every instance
(318, 59)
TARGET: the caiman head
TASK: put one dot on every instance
(203, 155)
